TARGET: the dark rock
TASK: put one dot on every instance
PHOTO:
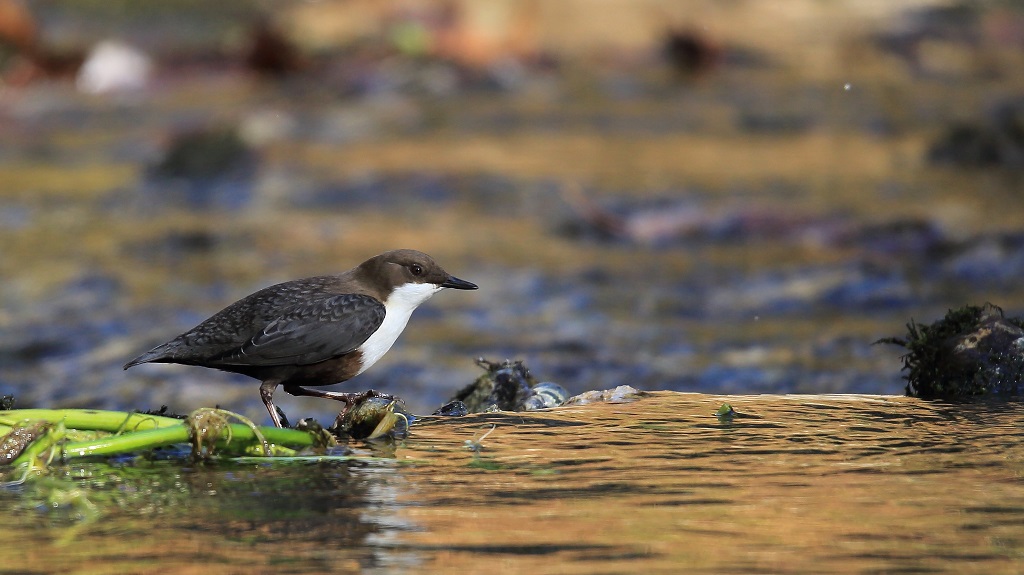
(509, 386)
(452, 409)
(972, 351)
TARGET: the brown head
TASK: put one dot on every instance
(391, 270)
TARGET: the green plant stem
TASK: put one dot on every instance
(240, 437)
(91, 419)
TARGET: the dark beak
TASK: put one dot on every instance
(456, 283)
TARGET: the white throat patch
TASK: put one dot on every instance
(399, 305)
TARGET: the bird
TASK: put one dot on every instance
(315, 331)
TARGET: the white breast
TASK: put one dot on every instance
(400, 305)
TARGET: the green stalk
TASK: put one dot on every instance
(239, 437)
(91, 419)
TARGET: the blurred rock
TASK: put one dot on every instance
(690, 52)
(937, 39)
(202, 154)
(996, 140)
(270, 52)
(113, 66)
(18, 29)
(204, 168)
(29, 59)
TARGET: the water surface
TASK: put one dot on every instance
(794, 484)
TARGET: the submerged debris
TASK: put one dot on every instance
(509, 386)
(972, 351)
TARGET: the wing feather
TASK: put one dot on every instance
(311, 332)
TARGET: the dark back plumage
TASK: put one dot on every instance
(297, 322)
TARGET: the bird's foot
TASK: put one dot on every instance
(374, 393)
(356, 398)
(350, 398)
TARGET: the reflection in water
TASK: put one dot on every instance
(804, 484)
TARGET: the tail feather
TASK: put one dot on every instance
(155, 354)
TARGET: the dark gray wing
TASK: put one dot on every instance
(311, 332)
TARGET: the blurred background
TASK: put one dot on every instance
(707, 196)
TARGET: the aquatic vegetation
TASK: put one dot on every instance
(972, 351)
(208, 425)
(36, 437)
(725, 413)
(78, 465)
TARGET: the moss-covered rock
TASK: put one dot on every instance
(972, 351)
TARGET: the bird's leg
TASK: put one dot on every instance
(267, 393)
(350, 398)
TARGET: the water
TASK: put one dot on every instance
(793, 484)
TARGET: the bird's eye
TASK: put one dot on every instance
(416, 269)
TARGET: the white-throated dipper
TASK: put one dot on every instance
(315, 331)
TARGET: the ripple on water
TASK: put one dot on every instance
(819, 483)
